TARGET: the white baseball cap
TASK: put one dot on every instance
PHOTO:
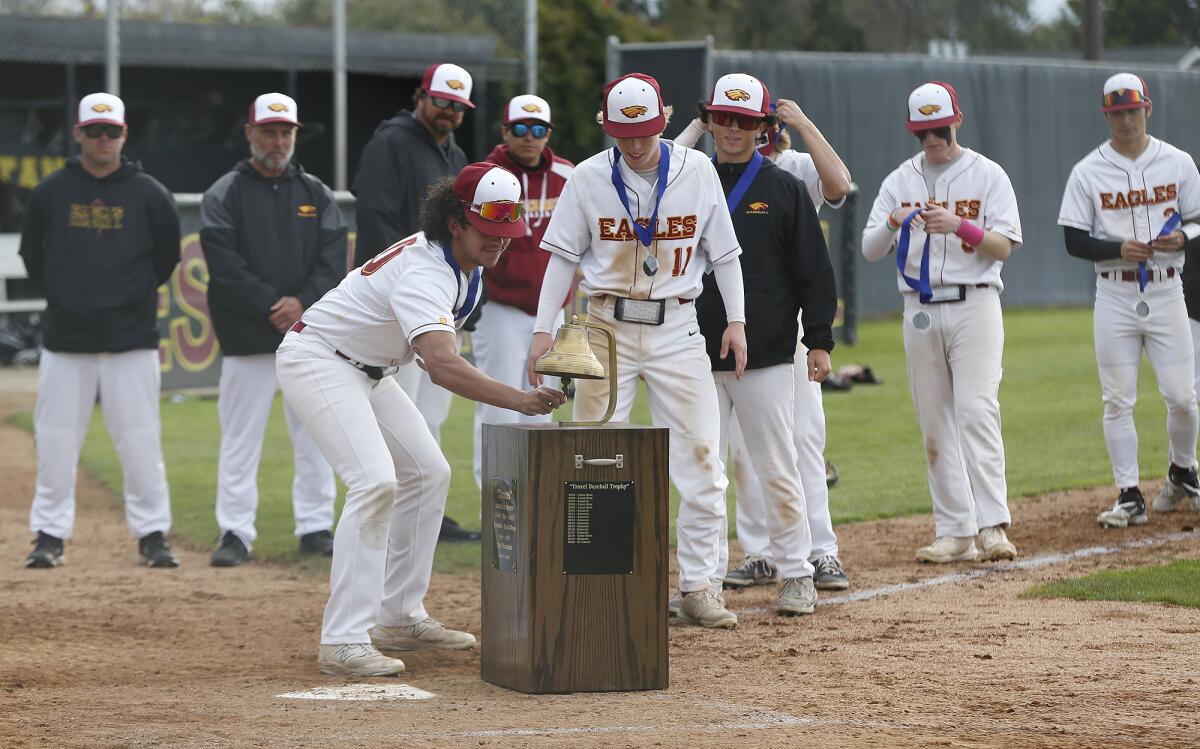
(481, 184)
(1124, 91)
(633, 107)
(448, 81)
(101, 108)
(932, 105)
(740, 93)
(274, 107)
(527, 107)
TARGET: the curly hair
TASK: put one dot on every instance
(439, 206)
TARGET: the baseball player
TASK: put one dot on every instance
(950, 216)
(826, 180)
(642, 222)
(275, 242)
(406, 154)
(99, 237)
(514, 285)
(1191, 295)
(334, 367)
(1122, 209)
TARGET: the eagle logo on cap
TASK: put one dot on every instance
(929, 109)
(737, 94)
(634, 111)
(277, 107)
(1120, 92)
(101, 108)
(531, 108)
(457, 85)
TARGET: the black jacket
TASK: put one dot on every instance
(265, 238)
(785, 268)
(99, 249)
(397, 165)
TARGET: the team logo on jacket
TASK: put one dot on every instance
(737, 94)
(306, 211)
(757, 207)
(101, 108)
(633, 112)
(455, 84)
(929, 109)
(278, 107)
(531, 108)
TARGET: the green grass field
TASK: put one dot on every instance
(1177, 583)
(1050, 400)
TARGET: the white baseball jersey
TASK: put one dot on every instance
(694, 231)
(1114, 198)
(801, 166)
(374, 314)
(975, 189)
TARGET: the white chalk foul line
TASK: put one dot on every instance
(361, 692)
(1025, 564)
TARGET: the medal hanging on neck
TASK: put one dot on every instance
(1142, 309)
(921, 285)
(645, 234)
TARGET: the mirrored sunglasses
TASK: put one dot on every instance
(96, 129)
(497, 210)
(442, 103)
(727, 119)
(1124, 96)
(938, 132)
(521, 130)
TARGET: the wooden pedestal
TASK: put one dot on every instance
(575, 559)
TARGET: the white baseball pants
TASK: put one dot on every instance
(245, 394)
(128, 385)
(765, 399)
(672, 359)
(500, 346)
(1120, 337)
(1195, 326)
(954, 371)
(396, 485)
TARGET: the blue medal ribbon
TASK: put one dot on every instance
(743, 184)
(1172, 224)
(645, 234)
(472, 287)
(921, 285)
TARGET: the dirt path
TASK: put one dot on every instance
(104, 653)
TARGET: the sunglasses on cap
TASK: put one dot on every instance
(520, 129)
(1124, 96)
(938, 132)
(96, 129)
(727, 119)
(496, 210)
(442, 103)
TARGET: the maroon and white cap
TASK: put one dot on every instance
(633, 107)
(527, 107)
(101, 108)
(274, 107)
(482, 183)
(739, 93)
(1125, 91)
(932, 105)
(448, 81)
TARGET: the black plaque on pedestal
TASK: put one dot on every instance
(598, 527)
(504, 525)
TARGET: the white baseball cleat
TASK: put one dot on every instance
(706, 608)
(949, 549)
(1170, 497)
(994, 545)
(357, 659)
(423, 635)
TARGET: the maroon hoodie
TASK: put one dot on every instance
(516, 281)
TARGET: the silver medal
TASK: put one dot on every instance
(1142, 309)
(650, 265)
(920, 321)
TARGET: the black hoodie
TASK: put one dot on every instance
(99, 249)
(396, 168)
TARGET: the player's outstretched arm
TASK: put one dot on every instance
(835, 177)
(439, 357)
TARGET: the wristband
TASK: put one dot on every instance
(891, 223)
(969, 233)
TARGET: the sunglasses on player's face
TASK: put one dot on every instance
(521, 130)
(497, 210)
(938, 132)
(96, 129)
(727, 119)
(442, 103)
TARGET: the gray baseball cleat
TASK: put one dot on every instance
(797, 596)
(356, 659)
(752, 571)
(423, 635)
(705, 608)
(828, 573)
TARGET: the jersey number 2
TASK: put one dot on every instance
(683, 256)
(381, 259)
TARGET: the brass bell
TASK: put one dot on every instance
(571, 357)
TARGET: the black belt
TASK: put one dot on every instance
(1132, 275)
(370, 370)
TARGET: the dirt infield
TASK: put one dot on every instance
(104, 653)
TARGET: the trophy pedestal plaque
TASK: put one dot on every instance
(574, 562)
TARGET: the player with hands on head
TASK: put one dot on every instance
(334, 366)
(1132, 206)
(642, 222)
(950, 215)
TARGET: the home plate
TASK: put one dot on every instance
(362, 692)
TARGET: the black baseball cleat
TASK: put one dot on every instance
(452, 531)
(156, 552)
(1130, 509)
(318, 543)
(1185, 478)
(47, 552)
(231, 552)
